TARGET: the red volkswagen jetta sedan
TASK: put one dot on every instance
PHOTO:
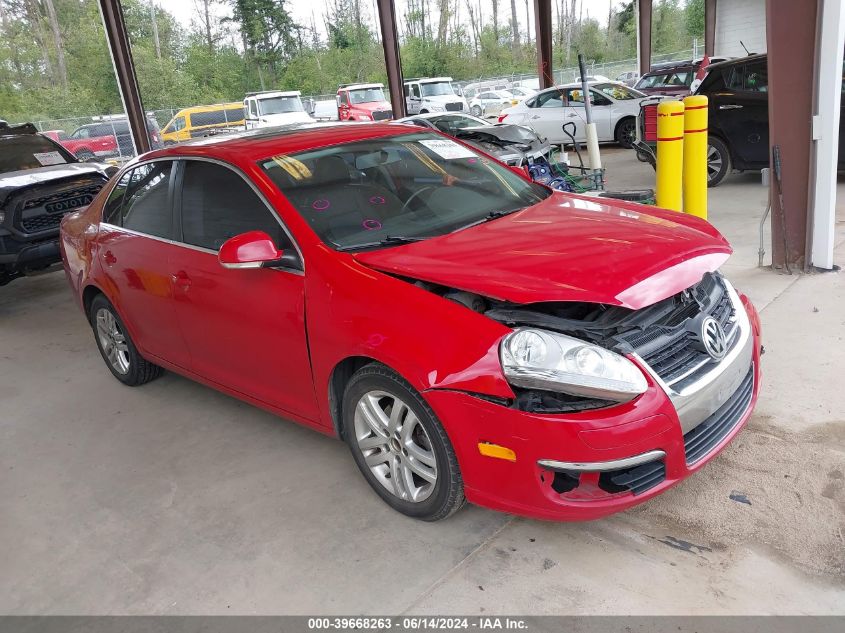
(470, 334)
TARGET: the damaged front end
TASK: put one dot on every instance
(666, 336)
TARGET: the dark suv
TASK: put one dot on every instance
(738, 94)
(40, 181)
(119, 129)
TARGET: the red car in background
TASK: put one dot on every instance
(469, 333)
(362, 102)
(87, 143)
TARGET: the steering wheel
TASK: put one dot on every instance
(414, 196)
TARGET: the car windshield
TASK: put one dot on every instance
(280, 105)
(617, 92)
(406, 187)
(366, 95)
(436, 89)
(30, 151)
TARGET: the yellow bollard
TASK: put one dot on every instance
(670, 154)
(695, 155)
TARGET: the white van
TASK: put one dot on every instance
(433, 94)
(271, 108)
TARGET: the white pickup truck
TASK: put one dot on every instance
(271, 108)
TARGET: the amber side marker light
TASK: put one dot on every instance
(494, 450)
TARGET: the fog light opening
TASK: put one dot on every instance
(565, 482)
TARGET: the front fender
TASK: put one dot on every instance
(432, 342)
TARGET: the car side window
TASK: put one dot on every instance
(415, 88)
(344, 99)
(756, 78)
(80, 133)
(218, 204)
(253, 109)
(551, 99)
(178, 124)
(111, 209)
(146, 205)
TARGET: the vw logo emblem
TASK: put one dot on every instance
(713, 338)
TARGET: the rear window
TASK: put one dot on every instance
(682, 78)
(31, 151)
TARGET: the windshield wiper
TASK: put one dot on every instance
(390, 240)
(493, 215)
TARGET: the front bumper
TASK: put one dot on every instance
(18, 257)
(575, 467)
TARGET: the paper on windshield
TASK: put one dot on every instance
(450, 150)
(49, 158)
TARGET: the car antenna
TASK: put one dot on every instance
(747, 52)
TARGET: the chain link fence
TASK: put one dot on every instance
(107, 137)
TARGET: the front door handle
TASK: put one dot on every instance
(181, 280)
(571, 115)
(730, 106)
(536, 116)
(109, 258)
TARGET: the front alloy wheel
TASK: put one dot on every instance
(395, 446)
(399, 445)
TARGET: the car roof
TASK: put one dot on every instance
(359, 86)
(254, 145)
(738, 60)
(212, 108)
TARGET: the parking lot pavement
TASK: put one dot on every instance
(173, 498)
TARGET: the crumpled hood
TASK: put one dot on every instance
(567, 248)
(504, 132)
(15, 180)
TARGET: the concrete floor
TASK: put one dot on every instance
(175, 499)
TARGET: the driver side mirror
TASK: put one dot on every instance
(252, 249)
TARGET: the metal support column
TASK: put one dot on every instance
(392, 62)
(124, 69)
(543, 38)
(709, 27)
(826, 118)
(791, 37)
(644, 30)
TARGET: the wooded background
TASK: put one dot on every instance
(54, 61)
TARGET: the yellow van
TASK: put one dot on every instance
(202, 120)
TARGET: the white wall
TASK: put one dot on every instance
(740, 20)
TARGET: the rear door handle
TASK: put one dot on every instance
(181, 280)
(730, 106)
(109, 258)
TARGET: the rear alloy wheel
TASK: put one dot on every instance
(626, 132)
(399, 446)
(117, 349)
(718, 161)
(476, 110)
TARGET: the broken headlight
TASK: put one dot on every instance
(538, 359)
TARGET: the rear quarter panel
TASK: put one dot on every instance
(78, 241)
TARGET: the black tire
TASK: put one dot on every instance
(718, 161)
(626, 132)
(447, 496)
(85, 155)
(139, 370)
